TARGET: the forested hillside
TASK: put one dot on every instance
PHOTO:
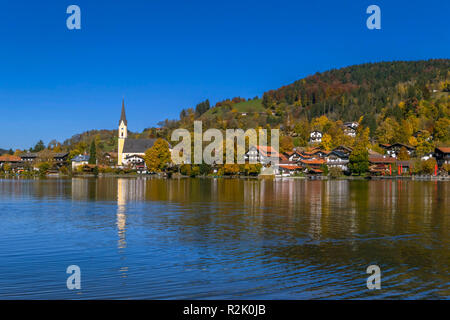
(400, 101)
(372, 90)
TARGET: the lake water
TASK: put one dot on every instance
(137, 238)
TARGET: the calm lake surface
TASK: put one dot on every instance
(137, 238)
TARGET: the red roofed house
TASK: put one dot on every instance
(442, 155)
(287, 168)
(379, 164)
(262, 154)
(312, 166)
(14, 161)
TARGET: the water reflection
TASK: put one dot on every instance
(286, 238)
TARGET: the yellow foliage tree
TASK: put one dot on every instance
(158, 157)
(326, 142)
(320, 123)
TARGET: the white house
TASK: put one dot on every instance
(394, 149)
(315, 136)
(350, 131)
(262, 154)
(133, 160)
(80, 160)
(337, 159)
(352, 124)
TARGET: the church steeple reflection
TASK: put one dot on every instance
(121, 212)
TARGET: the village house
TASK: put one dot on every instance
(352, 124)
(60, 158)
(394, 149)
(337, 159)
(350, 130)
(315, 136)
(317, 154)
(262, 154)
(134, 160)
(288, 168)
(343, 149)
(312, 166)
(29, 156)
(293, 156)
(403, 166)
(110, 158)
(14, 162)
(80, 160)
(379, 164)
(442, 155)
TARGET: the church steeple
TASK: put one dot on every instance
(123, 132)
(123, 117)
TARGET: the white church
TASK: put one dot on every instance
(130, 151)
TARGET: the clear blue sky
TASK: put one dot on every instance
(164, 55)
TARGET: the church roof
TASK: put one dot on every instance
(137, 145)
(123, 117)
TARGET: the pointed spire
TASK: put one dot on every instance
(123, 117)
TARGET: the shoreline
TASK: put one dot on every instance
(270, 177)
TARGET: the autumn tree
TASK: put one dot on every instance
(158, 158)
(286, 144)
(442, 130)
(302, 131)
(359, 158)
(403, 154)
(326, 143)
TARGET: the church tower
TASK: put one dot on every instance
(122, 134)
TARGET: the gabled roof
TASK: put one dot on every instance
(29, 155)
(137, 145)
(290, 166)
(320, 151)
(375, 159)
(268, 151)
(443, 149)
(339, 154)
(134, 155)
(9, 158)
(60, 154)
(348, 149)
(81, 158)
(317, 161)
(388, 146)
